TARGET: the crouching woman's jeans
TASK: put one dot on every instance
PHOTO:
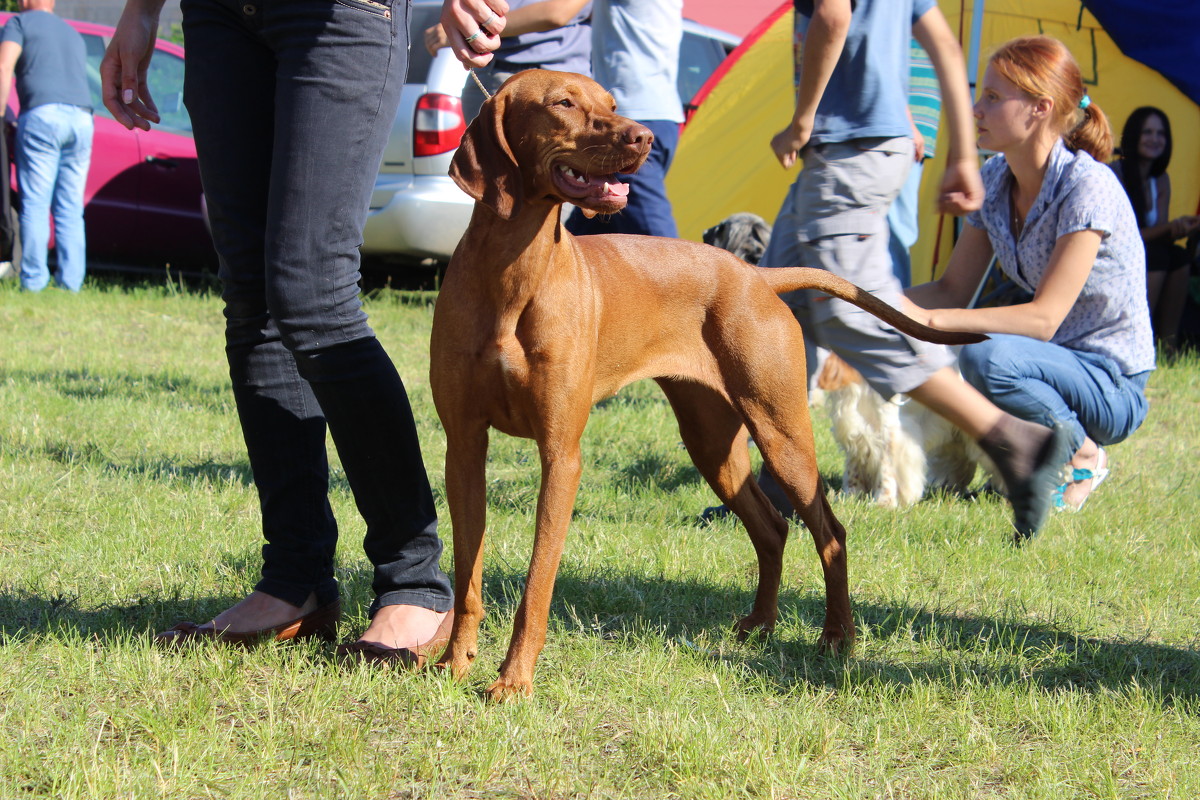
(292, 102)
(1047, 383)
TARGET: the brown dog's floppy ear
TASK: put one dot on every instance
(484, 166)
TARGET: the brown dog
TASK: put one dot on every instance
(533, 326)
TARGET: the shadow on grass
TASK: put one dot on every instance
(952, 649)
(87, 385)
(655, 474)
(630, 611)
(89, 454)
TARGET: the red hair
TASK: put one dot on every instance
(1041, 66)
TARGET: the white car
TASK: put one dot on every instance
(417, 213)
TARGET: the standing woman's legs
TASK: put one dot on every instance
(341, 69)
(336, 71)
(229, 90)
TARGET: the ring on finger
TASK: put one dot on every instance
(475, 35)
(483, 26)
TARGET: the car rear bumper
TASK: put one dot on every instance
(416, 217)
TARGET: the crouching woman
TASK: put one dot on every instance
(1080, 351)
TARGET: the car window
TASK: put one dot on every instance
(420, 17)
(699, 57)
(165, 78)
(95, 51)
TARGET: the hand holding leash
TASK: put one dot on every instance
(473, 29)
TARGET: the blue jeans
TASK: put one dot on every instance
(649, 210)
(292, 102)
(1047, 383)
(54, 151)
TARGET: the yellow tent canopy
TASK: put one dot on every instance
(724, 163)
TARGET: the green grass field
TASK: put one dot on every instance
(1068, 668)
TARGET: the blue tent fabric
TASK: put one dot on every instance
(1162, 34)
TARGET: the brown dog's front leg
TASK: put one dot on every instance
(560, 484)
(466, 459)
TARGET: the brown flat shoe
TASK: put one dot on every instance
(320, 623)
(404, 657)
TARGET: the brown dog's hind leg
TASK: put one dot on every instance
(466, 475)
(715, 438)
(787, 447)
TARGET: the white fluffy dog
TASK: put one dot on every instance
(895, 448)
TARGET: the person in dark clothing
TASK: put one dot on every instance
(269, 86)
(1142, 168)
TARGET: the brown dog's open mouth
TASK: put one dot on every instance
(591, 190)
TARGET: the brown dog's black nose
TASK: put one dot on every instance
(639, 135)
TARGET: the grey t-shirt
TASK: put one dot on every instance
(566, 49)
(52, 67)
(635, 55)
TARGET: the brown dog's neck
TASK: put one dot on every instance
(524, 244)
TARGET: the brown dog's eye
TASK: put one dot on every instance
(565, 103)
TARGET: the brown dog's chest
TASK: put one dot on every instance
(509, 372)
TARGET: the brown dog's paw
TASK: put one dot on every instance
(757, 625)
(836, 641)
(459, 667)
(505, 691)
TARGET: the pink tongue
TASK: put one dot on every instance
(598, 187)
(616, 189)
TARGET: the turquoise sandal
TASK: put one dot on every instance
(1077, 475)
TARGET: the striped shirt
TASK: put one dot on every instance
(924, 96)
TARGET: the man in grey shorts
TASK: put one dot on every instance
(835, 217)
(852, 127)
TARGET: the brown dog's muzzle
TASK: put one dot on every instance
(640, 137)
(594, 183)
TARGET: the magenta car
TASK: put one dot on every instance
(143, 202)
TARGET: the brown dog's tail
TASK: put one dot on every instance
(789, 279)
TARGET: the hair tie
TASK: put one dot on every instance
(1084, 102)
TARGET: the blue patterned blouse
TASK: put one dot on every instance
(1111, 316)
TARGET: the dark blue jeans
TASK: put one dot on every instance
(649, 210)
(292, 102)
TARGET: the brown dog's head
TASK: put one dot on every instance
(553, 135)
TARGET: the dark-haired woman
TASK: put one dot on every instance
(1142, 167)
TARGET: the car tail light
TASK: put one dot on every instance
(438, 126)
